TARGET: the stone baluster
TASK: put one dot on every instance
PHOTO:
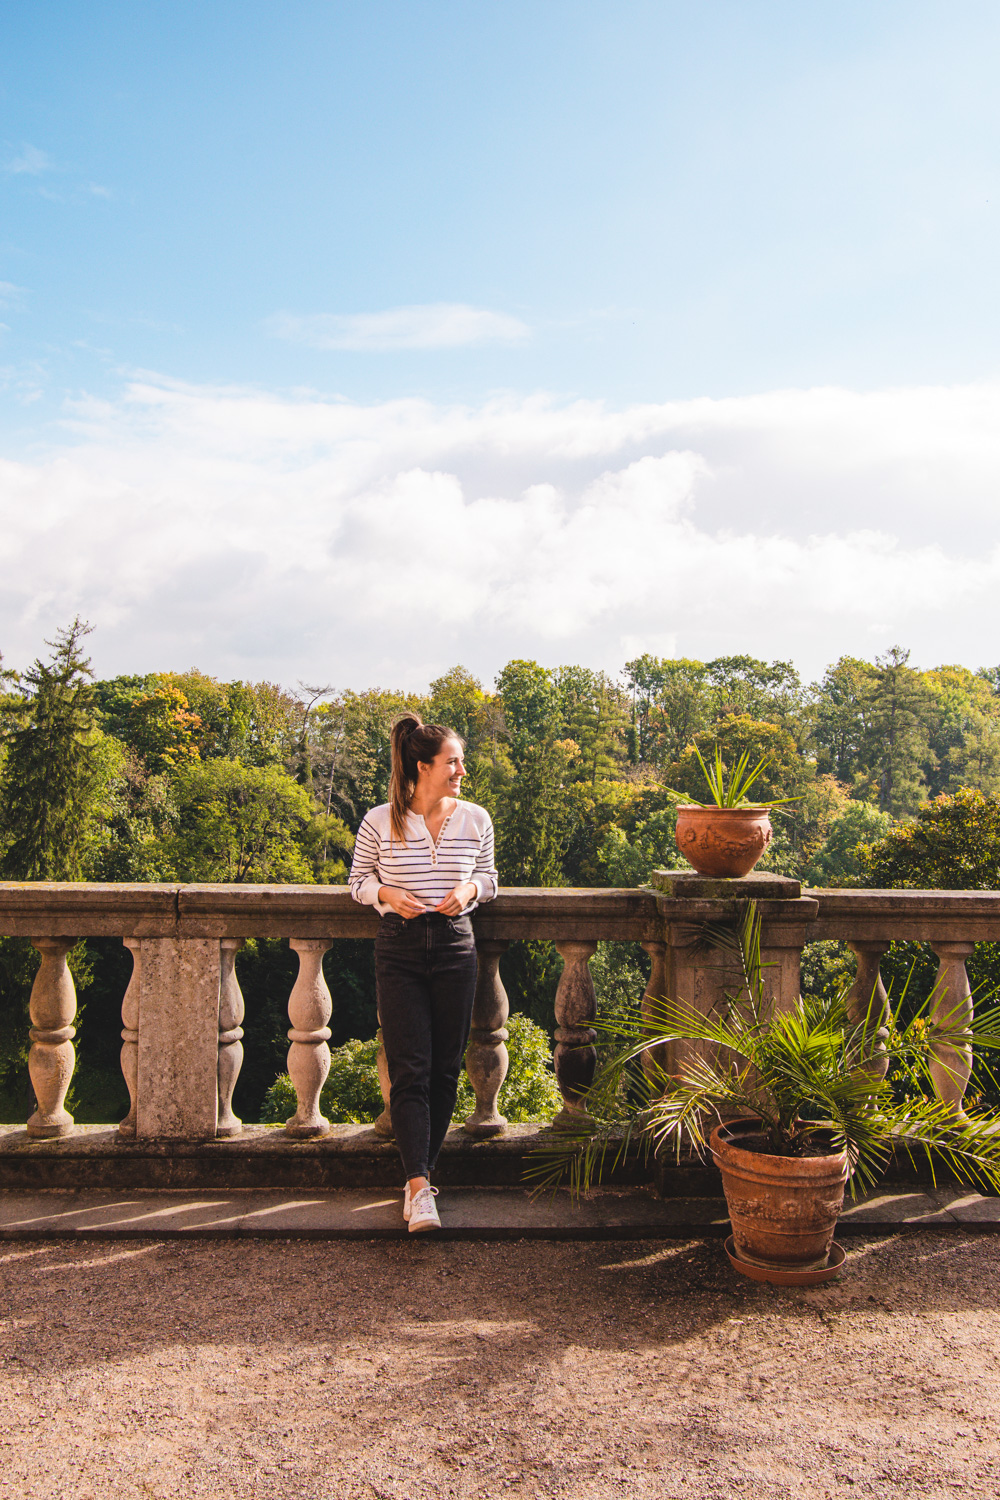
(868, 1006)
(655, 1058)
(383, 1125)
(231, 1012)
(575, 1055)
(951, 1006)
(130, 1035)
(486, 1059)
(52, 1059)
(309, 1008)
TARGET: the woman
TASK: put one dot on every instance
(425, 861)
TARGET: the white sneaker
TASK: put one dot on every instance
(406, 1202)
(423, 1213)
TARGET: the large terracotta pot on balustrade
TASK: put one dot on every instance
(783, 1209)
(725, 842)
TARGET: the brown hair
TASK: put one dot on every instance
(411, 740)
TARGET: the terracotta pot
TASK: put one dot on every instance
(783, 1209)
(722, 841)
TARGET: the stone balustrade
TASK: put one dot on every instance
(182, 1011)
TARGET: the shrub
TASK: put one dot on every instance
(351, 1094)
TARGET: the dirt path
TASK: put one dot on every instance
(329, 1371)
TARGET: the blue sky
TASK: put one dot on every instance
(295, 208)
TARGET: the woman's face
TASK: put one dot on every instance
(442, 776)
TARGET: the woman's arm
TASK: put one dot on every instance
(484, 875)
(363, 879)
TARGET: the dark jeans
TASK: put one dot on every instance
(425, 977)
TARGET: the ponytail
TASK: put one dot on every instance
(410, 741)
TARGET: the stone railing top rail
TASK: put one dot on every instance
(86, 909)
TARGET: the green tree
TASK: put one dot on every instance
(629, 856)
(533, 817)
(457, 700)
(845, 719)
(531, 704)
(58, 768)
(744, 686)
(874, 727)
(305, 759)
(786, 775)
(594, 713)
(901, 710)
(952, 844)
(139, 819)
(369, 717)
(256, 723)
(836, 862)
(162, 729)
(239, 823)
(670, 704)
(964, 731)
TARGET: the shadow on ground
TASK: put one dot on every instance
(340, 1369)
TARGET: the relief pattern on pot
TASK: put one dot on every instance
(789, 1211)
(711, 839)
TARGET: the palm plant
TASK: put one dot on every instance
(741, 780)
(818, 1082)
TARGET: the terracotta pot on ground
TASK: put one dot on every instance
(722, 841)
(783, 1209)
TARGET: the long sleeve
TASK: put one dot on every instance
(364, 879)
(484, 875)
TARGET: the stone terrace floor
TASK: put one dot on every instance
(344, 1370)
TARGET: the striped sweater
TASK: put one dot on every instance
(464, 851)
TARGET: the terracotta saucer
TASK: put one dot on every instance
(788, 1278)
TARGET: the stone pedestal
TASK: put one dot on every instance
(703, 975)
(178, 1043)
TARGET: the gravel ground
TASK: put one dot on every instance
(338, 1370)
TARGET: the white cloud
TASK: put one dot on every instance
(30, 161)
(435, 325)
(262, 535)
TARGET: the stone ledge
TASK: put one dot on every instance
(759, 886)
(470, 1214)
(264, 1157)
(486, 1213)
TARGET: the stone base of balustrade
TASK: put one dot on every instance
(350, 1156)
(264, 1156)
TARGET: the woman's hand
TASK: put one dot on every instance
(458, 899)
(402, 902)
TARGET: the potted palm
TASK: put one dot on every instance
(792, 1106)
(728, 835)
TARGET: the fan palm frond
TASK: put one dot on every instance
(810, 1075)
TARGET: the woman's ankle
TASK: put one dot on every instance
(416, 1183)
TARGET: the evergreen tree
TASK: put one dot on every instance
(902, 708)
(594, 717)
(57, 769)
